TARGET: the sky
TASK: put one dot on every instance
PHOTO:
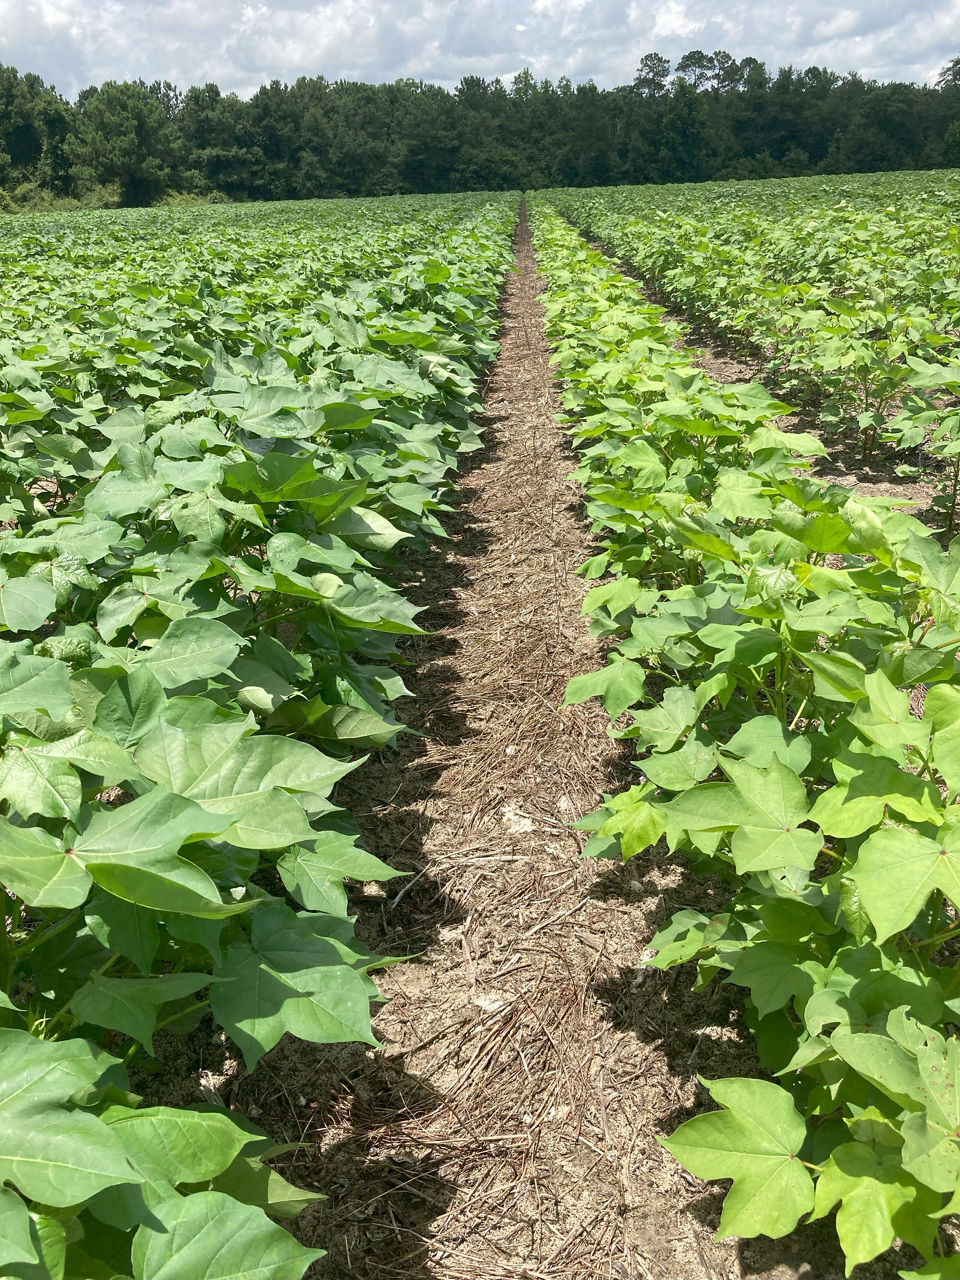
(240, 44)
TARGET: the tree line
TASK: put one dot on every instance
(708, 117)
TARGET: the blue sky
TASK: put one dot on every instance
(241, 43)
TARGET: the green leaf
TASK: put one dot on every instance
(25, 603)
(131, 707)
(363, 527)
(49, 1235)
(684, 768)
(774, 974)
(130, 1005)
(35, 867)
(837, 677)
(343, 416)
(132, 853)
(209, 1236)
(280, 477)
(938, 573)
(36, 783)
(741, 645)
(124, 927)
(883, 716)
(243, 778)
(769, 836)
(755, 1140)
(863, 987)
(314, 876)
(253, 1182)
(289, 979)
(16, 1244)
(619, 684)
(259, 688)
(29, 683)
(644, 464)
(941, 710)
(92, 752)
(931, 1147)
(897, 869)
(170, 1144)
(116, 494)
(764, 738)
(660, 727)
(192, 649)
(351, 726)
(54, 1155)
(883, 1062)
(684, 936)
(710, 806)
(869, 786)
(619, 596)
(939, 1269)
(636, 822)
(878, 1200)
(739, 496)
(198, 515)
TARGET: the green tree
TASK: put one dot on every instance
(652, 75)
(275, 131)
(34, 121)
(216, 147)
(122, 135)
(697, 67)
(718, 117)
(426, 120)
(685, 148)
(313, 98)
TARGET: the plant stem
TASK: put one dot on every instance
(40, 936)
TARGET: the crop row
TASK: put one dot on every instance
(849, 286)
(782, 655)
(218, 434)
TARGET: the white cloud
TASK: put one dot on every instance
(672, 20)
(840, 24)
(241, 43)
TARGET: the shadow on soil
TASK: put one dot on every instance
(703, 1033)
(387, 795)
(378, 1208)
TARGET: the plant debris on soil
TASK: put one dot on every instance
(506, 1128)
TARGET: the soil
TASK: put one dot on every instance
(506, 1129)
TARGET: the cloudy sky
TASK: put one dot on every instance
(241, 43)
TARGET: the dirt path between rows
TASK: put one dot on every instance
(506, 1130)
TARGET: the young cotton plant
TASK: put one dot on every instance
(839, 283)
(200, 610)
(784, 656)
